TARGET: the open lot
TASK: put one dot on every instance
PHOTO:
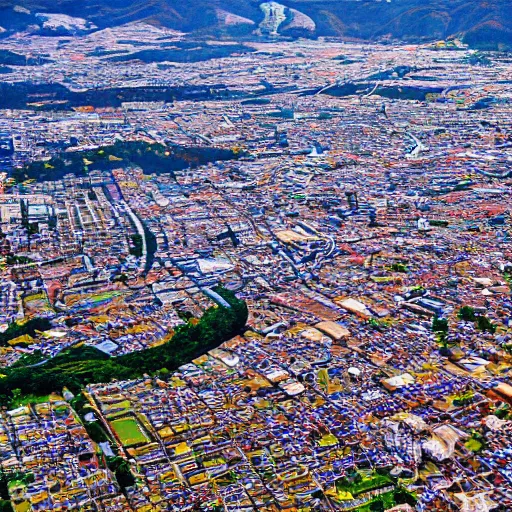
(129, 431)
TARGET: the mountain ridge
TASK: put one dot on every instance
(483, 24)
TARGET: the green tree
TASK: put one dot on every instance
(14, 330)
(121, 469)
(402, 497)
(440, 324)
(6, 506)
(484, 324)
(96, 432)
(467, 313)
(398, 267)
(377, 506)
(16, 396)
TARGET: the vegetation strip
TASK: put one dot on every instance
(78, 367)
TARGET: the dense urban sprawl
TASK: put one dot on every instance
(274, 278)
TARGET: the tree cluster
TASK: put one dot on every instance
(15, 329)
(80, 366)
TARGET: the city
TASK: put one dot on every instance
(265, 274)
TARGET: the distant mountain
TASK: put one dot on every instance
(482, 23)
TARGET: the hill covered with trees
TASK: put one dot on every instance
(483, 24)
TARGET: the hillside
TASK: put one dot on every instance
(485, 24)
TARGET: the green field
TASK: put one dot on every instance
(364, 483)
(129, 432)
(18, 401)
(387, 500)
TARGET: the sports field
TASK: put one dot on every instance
(129, 431)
